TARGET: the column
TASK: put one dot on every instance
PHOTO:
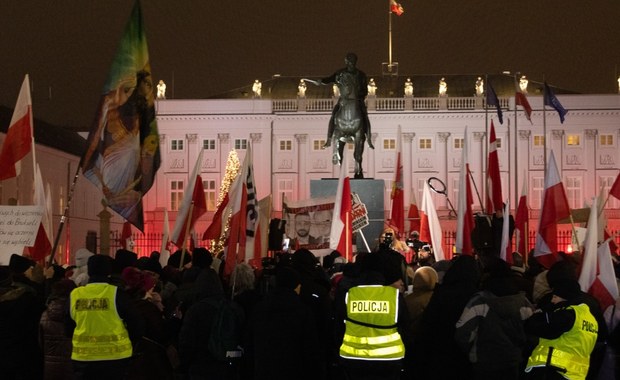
(443, 138)
(407, 157)
(479, 138)
(302, 177)
(590, 157)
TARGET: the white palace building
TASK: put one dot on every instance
(287, 129)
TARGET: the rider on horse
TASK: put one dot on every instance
(359, 93)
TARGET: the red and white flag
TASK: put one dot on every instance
(164, 253)
(522, 220)
(215, 229)
(18, 142)
(43, 242)
(494, 199)
(597, 275)
(261, 238)
(465, 216)
(245, 213)
(196, 204)
(521, 100)
(430, 229)
(398, 195)
(615, 188)
(414, 213)
(396, 8)
(341, 235)
(126, 239)
(505, 248)
(554, 208)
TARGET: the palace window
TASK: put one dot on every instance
(539, 141)
(573, 140)
(210, 194)
(241, 144)
(389, 144)
(426, 144)
(208, 144)
(458, 143)
(286, 145)
(574, 192)
(176, 194)
(318, 144)
(606, 140)
(176, 145)
(538, 186)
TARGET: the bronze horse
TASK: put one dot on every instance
(349, 122)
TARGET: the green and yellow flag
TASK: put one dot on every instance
(123, 155)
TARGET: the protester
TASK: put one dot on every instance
(106, 325)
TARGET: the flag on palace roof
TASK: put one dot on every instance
(122, 154)
(551, 100)
(396, 8)
(492, 100)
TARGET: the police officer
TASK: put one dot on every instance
(105, 325)
(567, 335)
(372, 346)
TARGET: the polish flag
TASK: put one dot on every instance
(521, 221)
(245, 214)
(196, 204)
(398, 195)
(126, 240)
(18, 141)
(430, 229)
(465, 216)
(214, 231)
(164, 253)
(615, 188)
(505, 251)
(396, 8)
(341, 235)
(521, 100)
(597, 275)
(414, 213)
(494, 199)
(43, 241)
(554, 208)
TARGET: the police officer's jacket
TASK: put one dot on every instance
(371, 333)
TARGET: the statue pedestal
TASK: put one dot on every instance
(371, 193)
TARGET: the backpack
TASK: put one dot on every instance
(225, 333)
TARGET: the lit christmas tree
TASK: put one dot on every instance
(231, 172)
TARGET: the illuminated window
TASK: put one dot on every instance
(606, 140)
(573, 192)
(538, 186)
(389, 144)
(176, 145)
(318, 144)
(539, 141)
(176, 194)
(426, 144)
(241, 144)
(573, 140)
(210, 194)
(458, 143)
(286, 145)
(208, 144)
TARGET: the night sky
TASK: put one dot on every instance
(204, 47)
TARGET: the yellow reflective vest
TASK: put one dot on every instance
(371, 333)
(570, 353)
(99, 332)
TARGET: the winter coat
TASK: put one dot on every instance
(490, 330)
(55, 341)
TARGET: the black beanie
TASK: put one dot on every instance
(566, 288)
(19, 264)
(99, 265)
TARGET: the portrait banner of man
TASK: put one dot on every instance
(308, 223)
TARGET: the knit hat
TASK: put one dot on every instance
(135, 279)
(81, 257)
(99, 265)
(566, 288)
(19, 264)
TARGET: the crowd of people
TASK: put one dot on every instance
(382, 316)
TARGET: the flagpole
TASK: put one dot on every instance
(516, 172)
(63, 218)
(485, 155)
(364, 239)
(389, 35)
(526, 242)
(544, 129)
(184, 246)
